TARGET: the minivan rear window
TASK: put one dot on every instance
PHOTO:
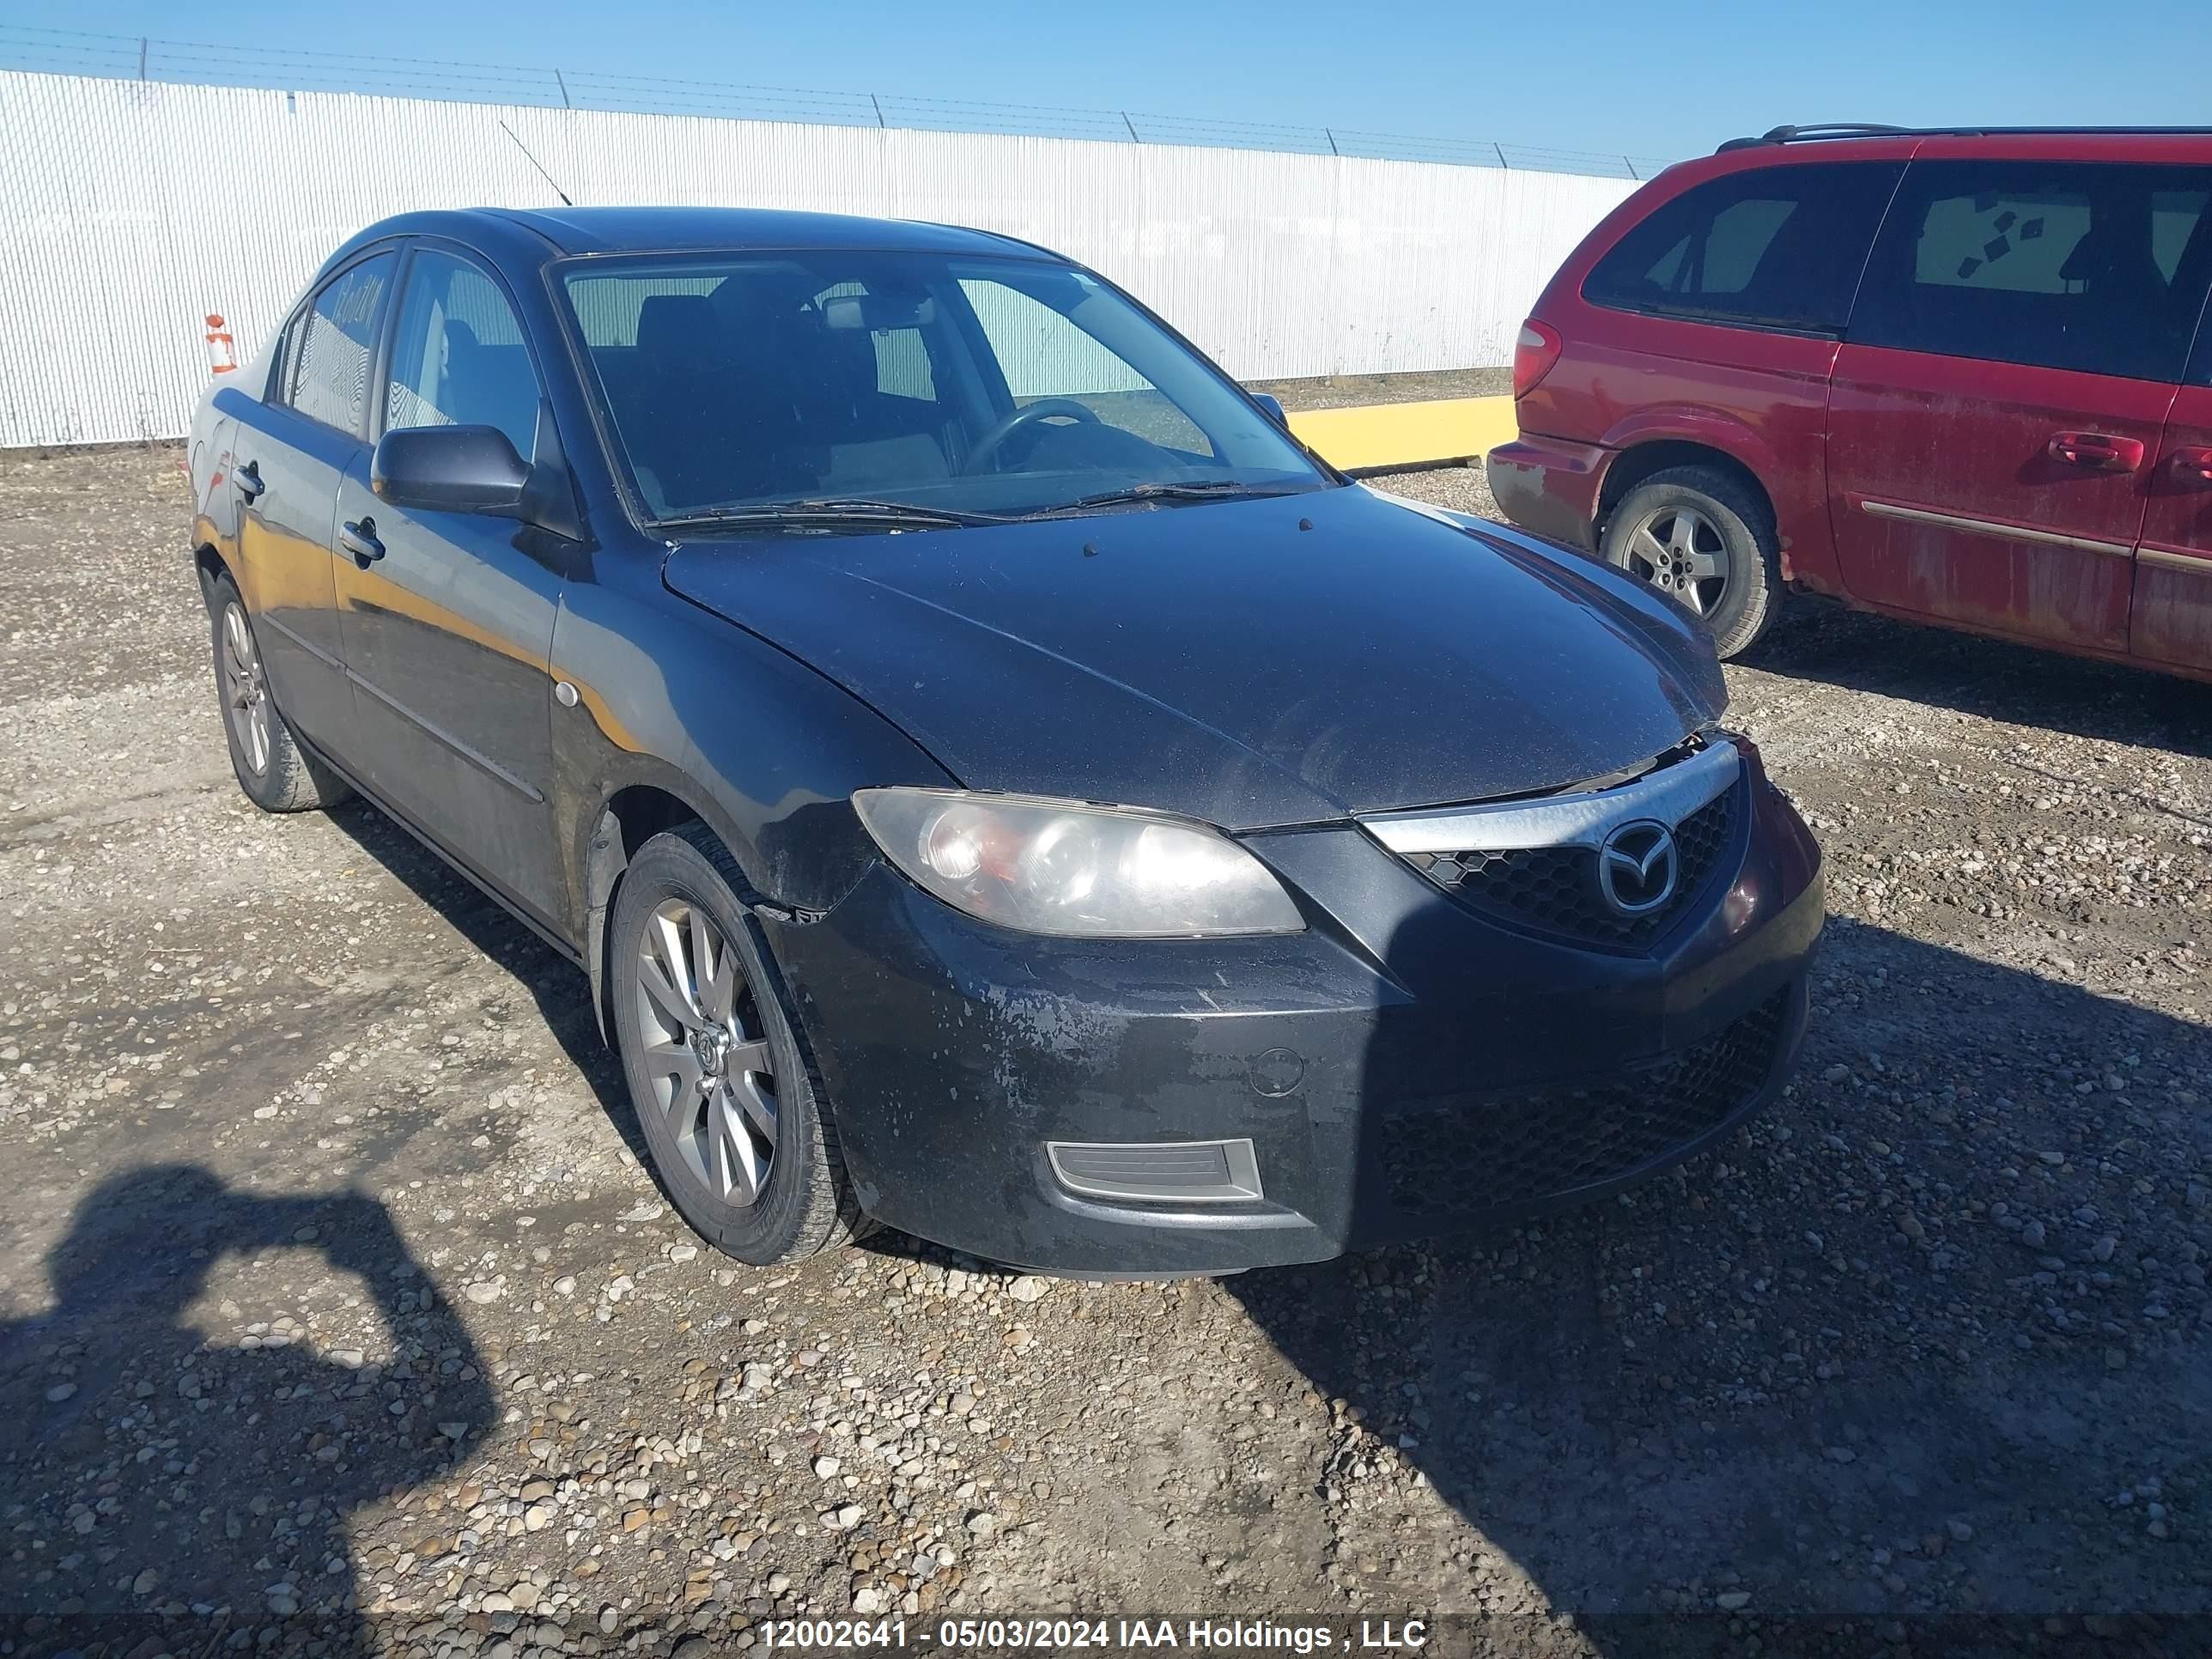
(1772, 246)
(2097, 267)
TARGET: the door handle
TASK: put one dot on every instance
(248, 479)
(359, 540)
(2194, 463)
(2097, 452)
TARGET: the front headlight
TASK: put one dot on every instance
(1049, 867)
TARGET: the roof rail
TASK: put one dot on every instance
(1871, 130)
(1819, 129)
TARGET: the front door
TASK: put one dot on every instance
(1997, 407)
(291, 449)
(448, 616)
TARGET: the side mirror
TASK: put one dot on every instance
(1272, 409)
(449, 469)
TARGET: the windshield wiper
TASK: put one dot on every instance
(1192, 490)
(826, 512)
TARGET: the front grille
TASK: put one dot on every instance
(1460, 1156)
(1553, 889)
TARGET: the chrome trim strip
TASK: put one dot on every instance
(1241, 1163)
(2194, 564)
(1669, 795)
(483, 762)
(2007, 532)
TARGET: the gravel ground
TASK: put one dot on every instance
(338, 1315)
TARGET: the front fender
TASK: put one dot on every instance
(766, 750)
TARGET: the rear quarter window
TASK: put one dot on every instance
(1771, 246)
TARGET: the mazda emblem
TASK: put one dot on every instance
(1637, 867)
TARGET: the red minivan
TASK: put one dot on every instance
(1960, 377)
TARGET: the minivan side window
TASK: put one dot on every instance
(2097, 267)
(458, 357)
(1772, 246)
(327, 375)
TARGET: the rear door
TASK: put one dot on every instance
(2172, 625)
(1998, 404)
(288, 450)
(448, 616)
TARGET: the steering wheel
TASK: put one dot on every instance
(1044, 409)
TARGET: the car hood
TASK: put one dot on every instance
(1251, 663)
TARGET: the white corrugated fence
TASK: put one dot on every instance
(131, 210)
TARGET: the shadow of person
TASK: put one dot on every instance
(191, 1482)
(1910, 1357)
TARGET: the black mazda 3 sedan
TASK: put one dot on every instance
(997, 782)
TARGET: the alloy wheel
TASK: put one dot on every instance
(1679, 551)
(706, 1051)
(245, 694)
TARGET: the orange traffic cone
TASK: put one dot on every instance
(223, 356)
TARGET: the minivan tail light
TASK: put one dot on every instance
(1533, 353)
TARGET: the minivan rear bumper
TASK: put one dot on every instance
(1549, 485)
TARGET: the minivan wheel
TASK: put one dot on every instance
(274, 771)
(730, 1108)
(1707, 541)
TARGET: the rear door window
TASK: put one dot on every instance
(1772, 246)
(2057, 265)
(328, 372)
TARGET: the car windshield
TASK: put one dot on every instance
(970, 388)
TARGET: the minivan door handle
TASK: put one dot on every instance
(359, 540)
(2194, 463)
(248, 480)
(2097, 452)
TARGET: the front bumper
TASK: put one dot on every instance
(1415, 1071)
(1549, 486)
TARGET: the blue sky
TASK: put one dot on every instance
(1652, 79)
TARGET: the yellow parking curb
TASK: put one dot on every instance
(1407, 434)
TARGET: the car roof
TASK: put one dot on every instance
(520, 232)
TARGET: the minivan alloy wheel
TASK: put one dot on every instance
(707, 1052)
(1681, 552)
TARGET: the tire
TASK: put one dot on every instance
(276, 774)
(1685, 519)
(732, 1108)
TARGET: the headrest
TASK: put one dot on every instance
(2113, 253)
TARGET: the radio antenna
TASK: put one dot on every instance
(533, 162)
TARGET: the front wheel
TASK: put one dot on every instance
(1707, 541)
(730, 1107)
